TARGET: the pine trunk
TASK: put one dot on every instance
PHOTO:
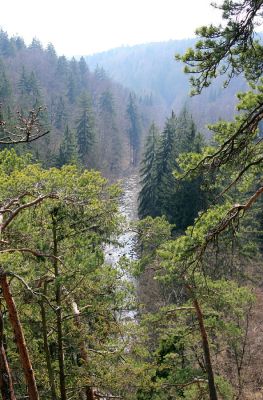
(46, 350)
(62, 378)
(20, 339)
(6, 383)
(89, 392)
(206, 350)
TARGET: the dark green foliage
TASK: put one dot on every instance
(149, 194)
(68, 151)
(161, 193)
(60, 113)
(85, 126)
(166, 163)
(186, 197)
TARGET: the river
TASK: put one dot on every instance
(128, 208)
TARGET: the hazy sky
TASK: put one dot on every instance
(82, 27)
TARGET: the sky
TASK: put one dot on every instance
(83, 27)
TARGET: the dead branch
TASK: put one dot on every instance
(28, 129)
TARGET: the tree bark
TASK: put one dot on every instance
(62, 378)
(20, 339)
(205, 345)
(6, 383)
(89, 392)
(46, 348)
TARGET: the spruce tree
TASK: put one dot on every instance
(148, 196)
(60, 113)
(85, 127)
(109, 134)
(68, 151)
(134, 130)
(5, 85)
(161, 194)
(166, 163)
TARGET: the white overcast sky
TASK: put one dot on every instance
(82, 27)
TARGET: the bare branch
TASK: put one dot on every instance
(28, 129)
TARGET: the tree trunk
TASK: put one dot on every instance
(62, 378)
(205, 344)
(6, 383)
(46, 348)
(89, 392)
(20, 339)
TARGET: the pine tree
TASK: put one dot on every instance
(161, 194)
(109, 134)
(51, 52)
(134, 130)
(149, 193)
(60, 113)
(6, 46)
(68, 151)
(23, 84)
(5, 85)
(84, 73)
(85, 126)
(166, 163)
(71, 89)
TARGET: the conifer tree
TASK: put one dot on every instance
(161, 193)
(71, 90)
(149, 194)
(134, 130)
(6, 45)
(85, 127)
(109, 134)
(186, 197)
(60, 113)
(5, 85)
(166, 163)
(68, 151)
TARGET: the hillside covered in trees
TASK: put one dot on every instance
(181, 317)
(85, 111)
(151, 70)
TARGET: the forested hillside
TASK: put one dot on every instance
(151, 70)
(97, 306)
(85, 111)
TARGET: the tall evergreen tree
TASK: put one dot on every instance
(149, 194)
(186, 197)
(6, 46)
(72, 89)
(60, 113)
(166, 163)
(109, 134)
(134, 130)
(85, 126)
(5, 85)
(68, 151)
(161, 193)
